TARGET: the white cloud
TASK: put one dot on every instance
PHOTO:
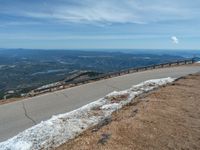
(175, 40)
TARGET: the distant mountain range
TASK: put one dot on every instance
(22, 70)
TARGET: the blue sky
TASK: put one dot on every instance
(88, 24)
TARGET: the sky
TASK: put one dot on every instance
(100, 24)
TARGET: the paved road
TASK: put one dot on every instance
(18, 116)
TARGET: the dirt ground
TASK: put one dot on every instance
(168, 118)
(9, 100)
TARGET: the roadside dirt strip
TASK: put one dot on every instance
(168, 118)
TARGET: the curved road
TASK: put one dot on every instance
(18, 116)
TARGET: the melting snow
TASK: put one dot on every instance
(59, 129)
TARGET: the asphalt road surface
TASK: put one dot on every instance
(20, 115)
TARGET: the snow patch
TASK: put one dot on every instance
(61, 128)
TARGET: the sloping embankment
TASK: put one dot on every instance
(168, 118)
(61, 128)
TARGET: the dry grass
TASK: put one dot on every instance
(168, 118)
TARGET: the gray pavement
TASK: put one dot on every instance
(18, 116)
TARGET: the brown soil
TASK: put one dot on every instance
(168, 118)
(9, 100)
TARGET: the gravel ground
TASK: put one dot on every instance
(168, 118)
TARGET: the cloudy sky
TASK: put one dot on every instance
(87, 24)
